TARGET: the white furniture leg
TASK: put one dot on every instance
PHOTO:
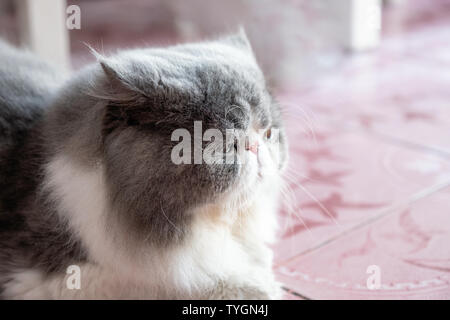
(43, 29)
(359, 23)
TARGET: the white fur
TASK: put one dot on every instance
(226, 257)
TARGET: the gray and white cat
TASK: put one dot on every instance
(86, 176)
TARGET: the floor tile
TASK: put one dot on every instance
(410, 248)
(341, 179)
(291, 295)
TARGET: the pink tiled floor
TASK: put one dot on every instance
(369, 178)
(410, 246)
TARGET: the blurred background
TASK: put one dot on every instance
(291, 38)
(365, 89)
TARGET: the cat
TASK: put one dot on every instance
(87, 177)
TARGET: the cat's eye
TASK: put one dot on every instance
(268, 134)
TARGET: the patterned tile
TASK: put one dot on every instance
(389, 92)
(342, 179)
(370, 150)
(409, 246)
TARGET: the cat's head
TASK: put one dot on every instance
(159, 108)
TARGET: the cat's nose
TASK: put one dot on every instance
(253, 146)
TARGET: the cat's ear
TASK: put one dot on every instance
(121, 97)
(238, 40)
(114, 85)
(116, 78)
(111, 74)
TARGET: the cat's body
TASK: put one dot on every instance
(30, 232)
(86, 178)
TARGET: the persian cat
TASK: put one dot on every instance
(92, 203)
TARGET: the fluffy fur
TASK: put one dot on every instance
(87, 179)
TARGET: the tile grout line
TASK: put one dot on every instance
(392, 140)
(385, 212)
(411, 145)
(294, 293)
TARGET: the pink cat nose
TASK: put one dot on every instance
(253, 147)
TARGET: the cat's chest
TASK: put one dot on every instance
(213, 249)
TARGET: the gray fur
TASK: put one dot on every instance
(31, 235)
(120, 112)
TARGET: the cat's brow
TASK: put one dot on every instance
(262, 120)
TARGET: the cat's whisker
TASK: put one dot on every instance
(299, 112)
(320, 204)
(231, 108)
(170, 221)
(288, 198)
(292, 179)
(310, 124)
(291, 210)
(287, 193)
(293, 108)
(301, 117)
(292, 173)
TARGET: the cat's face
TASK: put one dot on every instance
(153, 95)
